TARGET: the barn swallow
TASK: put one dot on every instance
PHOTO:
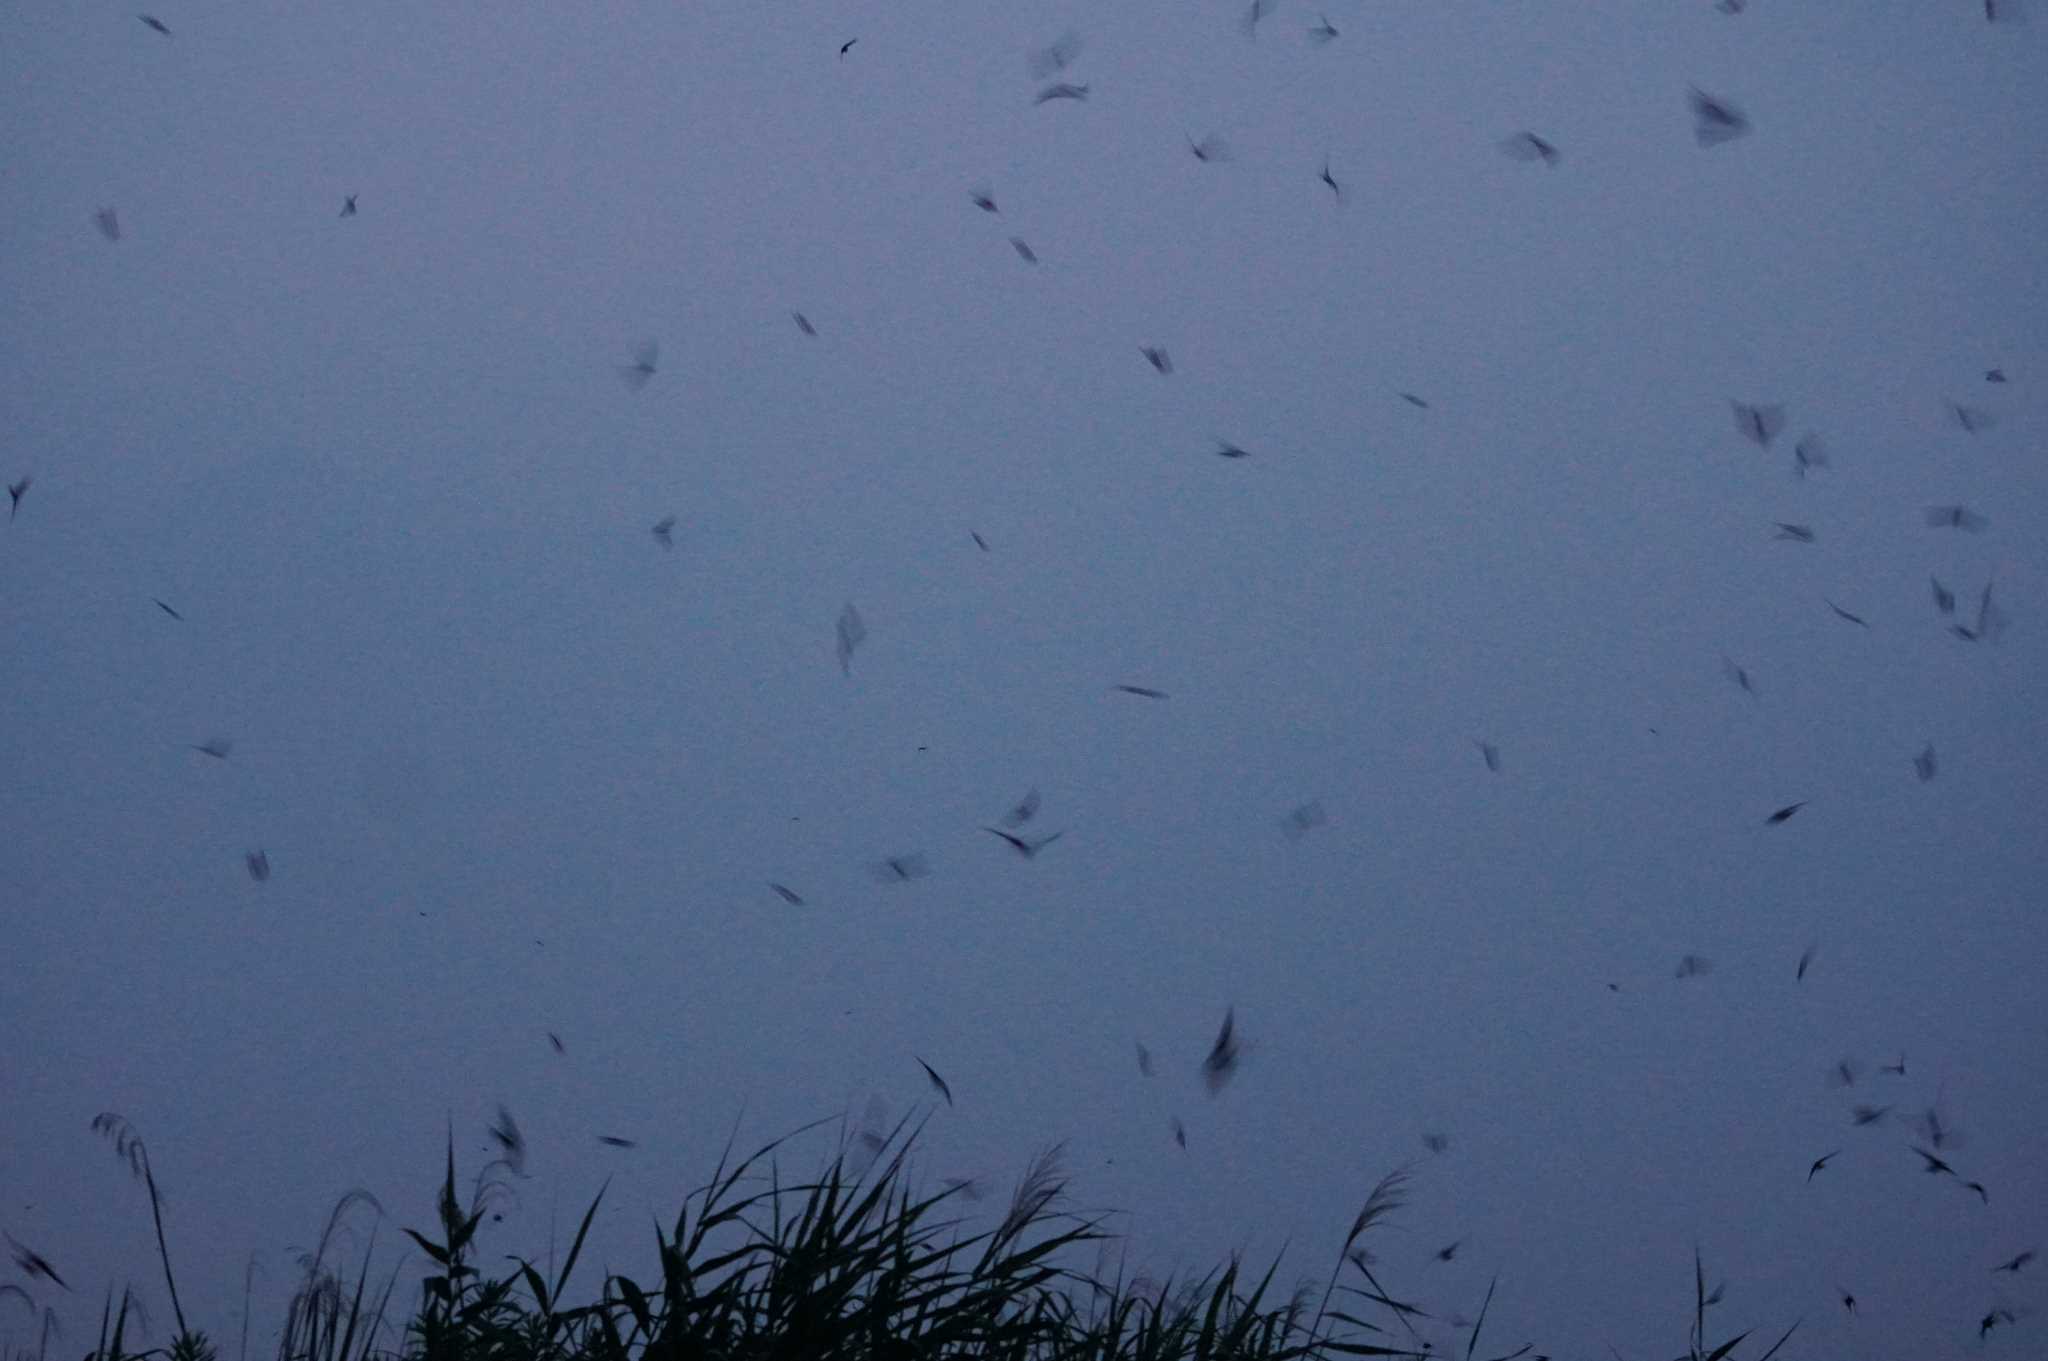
(786, 894)
(1144, 1059)
(665, 531)
(1023, 250)
(1796, 533)
(2016, 1263)
(1144, 691)
(1805, 963)
(851, 634)
(1157, 358)
(1809, 453)
(1715, 120)
(847, 46)
(1225, 449)
(1841, 613)
(1210, 148)
(216, 747)
(1944, 598)
(1934, 1165)
(1489, 753)
(506, 1134)
(556, 1041)
(1323, 33)
(155, 23)
(984, 200)
(637, 374)
(1061, 90)
(979, 542)
(1955, 517)
(259, 865)
(1820, 1162)
(15, 491)
(1783, 813)
(1923, 764)
(1759, 423)
(1330, 180)
(1259, 10)
(1971, 418)
(168, 610)
(803, 323)
(1223, 1055)
(1693, 966)
(615, 1141)
(1057, 56)
(348, 206)
(1527, 146)
(1026, 847)
(1866, 1116)
(1022, 811)
(1305, 818)
(109, 224)
(901, 869)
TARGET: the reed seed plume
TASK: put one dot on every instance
(128, 1146)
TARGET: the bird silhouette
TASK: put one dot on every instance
(1820, 1162)
(1143, 691)
(1944, 598)
(1322, 33)
(1759, 423)
(1024, 251)
(1841, 613)
(1994, 375)
(2015, 1265)
(983, 200)
(851, 634)
(1971, 418)
(803, 323)
(1783, 813)
(1866, 1116)
(1935, 1165)
(901, 869)
(1955, 517)
(1223, 1055)
(1805, 963)
(1056, 56)
(1259, 10)
(665, 531)
(1225, 449)
(1210, 148)
(847, 46)
(155, 23)
(1445, 1254)
(348, 206)
(216, 747)
(1809, 453)
(1896, 1069)
(1796, 533)
(1327, 178)
(1490, 754)
(15, 491)
(1157, 358)
(1026, 847)
(1144, 1059)
(786, 894)
(614, 1141)
(259, 865)
(1715, 120)
(33, 1262)
(638, 373)
(937, 1082)
(1693, 966)
(109, 224)
(556, 1041)
(168, 610)
(1848, 1300)
(1923, 764)
(1527, 146)
(1061, 90)
(507, 1136)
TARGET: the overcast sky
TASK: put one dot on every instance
(518, 768)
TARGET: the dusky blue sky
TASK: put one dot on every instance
(518, 768)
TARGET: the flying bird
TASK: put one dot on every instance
(1809, 453)
(2000, 1314)
(1820, 1162)
(1023, 250)
(1435, 1142)
(1759, 423)
(851, 633)
(1305, 818)
(901, 869)
(1994, 375)
(803, 323)
(216, 747)
(615, 1141)
(1061, 90)
(15, 491)
(1223, 1055)
(1157, 358)
(168, 610)
(1445, 1254)
(1414, 401)
(1322, 33)
(637, 373)
(1972, 418)
(979, 542)
(155, 23)
(1805, 963)
(259, 865)
(1796, 533)
(1944, 598)
(1180, 1132)
(983, 200)
(1490, 754)
(1026, 847)
(33, 1262)
(1845, 1073)
(506, 1134)
(1330, 180)
(1955, 517)
(1978, 1187)
(665, 531)
(1225, 449)
(1527, 146)
(938, 1083)
(786, 894)
(847, 46)
(1923, 764)
(1783, 813)
(556, 1041)
(1848, 1300)
(1259, 10)
(1694, 966)
(1869, 1115)
(109, 224)
(348, 206)
(1715, 120)
(1144, 1059)
(1934, 1165)
(1898, 1069)
(1738, 674)
(1210, 148)
(1022, 811)
(2016, 1263)
(1841, 613)
(1144, 691)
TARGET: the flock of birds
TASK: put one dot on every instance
(1716, 122)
